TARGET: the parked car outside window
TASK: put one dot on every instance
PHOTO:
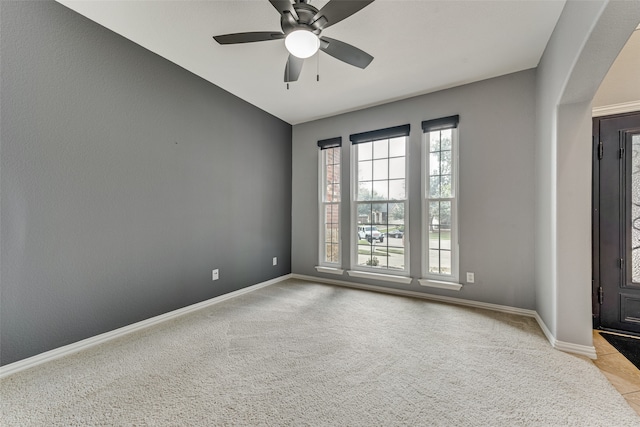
(370, 233)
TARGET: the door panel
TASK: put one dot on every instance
(630, 289)
(617, 218)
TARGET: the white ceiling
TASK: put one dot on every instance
(419, 46)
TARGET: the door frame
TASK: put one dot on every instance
(596, 285)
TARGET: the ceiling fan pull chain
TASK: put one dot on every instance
(318, 67)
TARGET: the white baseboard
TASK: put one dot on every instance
(452, 300)
(584, 350)
(547, 333)
(21, 365)
(66, 350)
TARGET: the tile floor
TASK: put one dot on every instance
(624, 376)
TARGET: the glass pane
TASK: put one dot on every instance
(445, 262)
(333, 155)
(336, 173)
(397, 167)
(395, 258)
(335, 234)
(396, 214)
(445, 186)
(434, 187)
(445, 163)
(380, 169)
(364, 254)
(365, 190)
(397, 146)
(434, 141)
(331, 214)
(434, 239)
(635, 208)
(365, 151)
(445, 216)
(365, 171)
(331, 233)
(364, 217)
(327, 156)
(328, 193)
(395, 229)
(434, 261)
(381, 149)
(378, 216)
(331, 253)
(445, 138)
(396, 189)
(445, 239)
(330, 174)
(327, 234)
(380, 190)
(434, 164)
(336, 192)
(434, 216)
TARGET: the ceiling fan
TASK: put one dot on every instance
(301, 27)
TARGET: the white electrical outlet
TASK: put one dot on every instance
(215, 274)
(275, 260)
(470, 278)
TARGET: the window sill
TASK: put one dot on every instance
(379, 276)
(330, 270)
(440, 285)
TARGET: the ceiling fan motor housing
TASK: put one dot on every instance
(304, 20)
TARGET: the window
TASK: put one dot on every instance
(330, 201)
(440, 204)
(380, 206)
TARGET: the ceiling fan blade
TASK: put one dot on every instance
(282, 5)
(293, 68)
(258, 36)
(345, 52)
(337, 10)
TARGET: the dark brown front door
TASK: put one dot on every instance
(616, 218)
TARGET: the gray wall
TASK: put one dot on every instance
(125, 181)
(497, 118)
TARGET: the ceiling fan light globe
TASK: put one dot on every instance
(302, 43)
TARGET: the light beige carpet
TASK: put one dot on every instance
(298, 353)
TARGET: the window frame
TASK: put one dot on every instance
(434, 279)
(324, 146)
(400, 276)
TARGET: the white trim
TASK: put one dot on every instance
(378, 276)
(322, 246)
(455, 174)
(330, 270)
(353, 262)
(609, 110)
(422, 295)
(547, 333)
(67, 350)
(440, 284)
(584, 350)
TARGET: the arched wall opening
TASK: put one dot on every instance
(584, 45)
